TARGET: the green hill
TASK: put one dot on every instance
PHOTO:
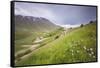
(27, 28)
(77, 45)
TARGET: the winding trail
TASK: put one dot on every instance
(30, 49)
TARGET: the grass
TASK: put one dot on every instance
(78, 45)
(23, 38)
(28, 37)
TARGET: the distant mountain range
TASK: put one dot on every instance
(33, 23)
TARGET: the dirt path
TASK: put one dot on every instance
(30, 49)
(26, 52)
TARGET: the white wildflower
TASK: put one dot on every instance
(91, 49)
(84, 47)
(72, 54)
(94, 57)
(77, 51)
(92, 53)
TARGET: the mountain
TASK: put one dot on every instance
(33, 23)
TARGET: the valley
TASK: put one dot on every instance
(38, 41)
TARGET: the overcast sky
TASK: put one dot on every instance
(58, 14)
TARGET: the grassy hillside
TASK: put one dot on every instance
(28, 28)
(78, 45)
(28, 37)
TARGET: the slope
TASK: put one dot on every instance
(78, 45)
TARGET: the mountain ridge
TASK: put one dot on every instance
(34, 23)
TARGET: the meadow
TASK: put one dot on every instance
(56, 47)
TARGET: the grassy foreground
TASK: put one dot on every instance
(78, 45)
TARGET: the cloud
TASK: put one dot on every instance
(20, 11)
(37, 11)
(70, 26)
(58, 14)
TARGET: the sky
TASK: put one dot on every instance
(57, 14)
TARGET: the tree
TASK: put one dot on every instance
(91, 22)
(81, 25)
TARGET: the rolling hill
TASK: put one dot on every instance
(77, 45)
(28, 28)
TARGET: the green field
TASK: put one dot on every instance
(74, 45)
